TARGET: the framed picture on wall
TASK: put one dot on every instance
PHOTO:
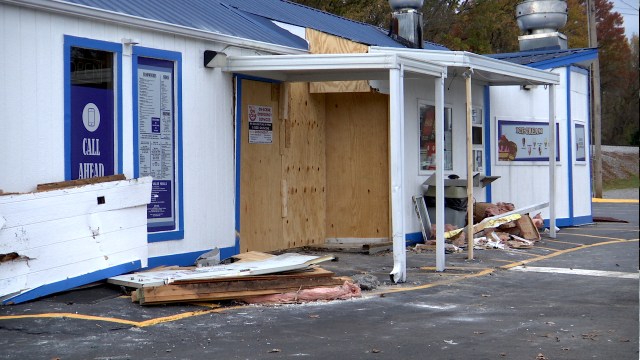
(580, 143)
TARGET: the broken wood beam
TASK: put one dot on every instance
(79, 182)
(228, 290)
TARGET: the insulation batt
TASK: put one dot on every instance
(346, 291)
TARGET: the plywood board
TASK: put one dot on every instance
(357, 139)
(321, 43)
(303, 168)
(260, 200)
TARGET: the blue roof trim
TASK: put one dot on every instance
(547, 59)
(428, 45)
(212, 16)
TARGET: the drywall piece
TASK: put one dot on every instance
(72, 236)
(275, 264)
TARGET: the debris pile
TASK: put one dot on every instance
(496, 226)
(251, 277)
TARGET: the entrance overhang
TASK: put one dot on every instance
(381, 66)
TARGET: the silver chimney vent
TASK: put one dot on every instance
(406, 22)
(539, 21)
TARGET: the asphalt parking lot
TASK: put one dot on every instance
(572, 297)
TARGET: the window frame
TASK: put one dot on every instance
(178, 206)
(116, 48)
(448, 114)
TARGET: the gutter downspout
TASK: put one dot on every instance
(396, 165)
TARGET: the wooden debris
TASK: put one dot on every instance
(235, 288)
(79, 182)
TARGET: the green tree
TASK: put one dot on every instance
(616, 77)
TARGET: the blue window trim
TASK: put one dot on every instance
(238, 124)
(487, 138)
(116, 48)
(569, 142)
(176, 57)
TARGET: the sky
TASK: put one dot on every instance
(629, 11)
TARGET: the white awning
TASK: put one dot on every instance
(486, 69)
(332, 67)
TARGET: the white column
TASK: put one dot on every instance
(552, 160)
(439, 102)
(396, 161)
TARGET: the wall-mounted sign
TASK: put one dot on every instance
(92, 115)
(580, 142)
(156, 139)
(260, 124)
(524, 141)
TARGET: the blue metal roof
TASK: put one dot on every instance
(207, 15)
(250, 19)
(304, 16)
(547, 59)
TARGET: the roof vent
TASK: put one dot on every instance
(539, 21)
(406, 22)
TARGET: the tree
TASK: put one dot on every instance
(616, 77)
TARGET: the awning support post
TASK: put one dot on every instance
(467, 77)
(396, 167)
(552, 161)
(439, 102)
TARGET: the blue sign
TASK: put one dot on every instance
(92, 132)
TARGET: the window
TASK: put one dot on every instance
(92, 108)
(427, 115)
(477, 138)
(580, 142)
(157, 138)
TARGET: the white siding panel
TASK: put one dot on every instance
(32, 117)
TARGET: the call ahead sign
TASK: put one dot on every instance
(92, 137)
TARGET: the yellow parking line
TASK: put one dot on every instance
(141, 324)
(602, 237)
(565, 242)
(180, 316)
(617, 201)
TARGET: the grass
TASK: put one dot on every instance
(628, 183)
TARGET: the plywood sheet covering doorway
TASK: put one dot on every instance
(283, 184)
(357, 138)
(304, 167)
(260, 175)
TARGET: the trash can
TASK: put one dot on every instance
(455, 204)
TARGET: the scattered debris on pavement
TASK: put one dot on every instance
(496, 226)
(252, 277)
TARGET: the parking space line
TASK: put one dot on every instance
(449, 281)
(583, 272)
(139, 324)
(602, 237)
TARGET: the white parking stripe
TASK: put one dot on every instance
(553, 270)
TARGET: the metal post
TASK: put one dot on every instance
(552, 160)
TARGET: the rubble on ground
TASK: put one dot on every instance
(496, 226)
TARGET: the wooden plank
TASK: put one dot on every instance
(528, 230)
(322, 43)
(357, 166)
(79, 182)
(280, 263)
(229, 289)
